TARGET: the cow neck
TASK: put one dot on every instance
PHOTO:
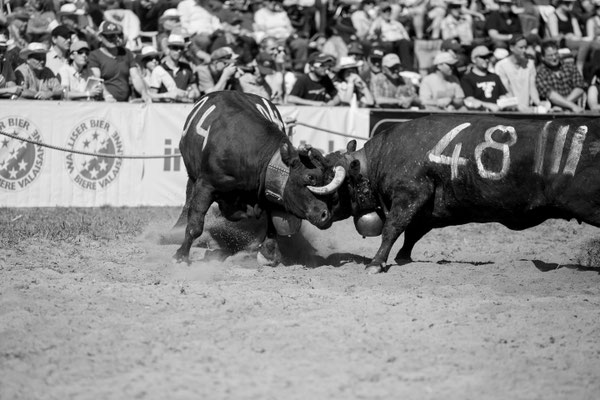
(276, 178)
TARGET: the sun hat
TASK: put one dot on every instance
(347, 62)
(109, 28)
(175, 40)
(318, 58)
(224, 54)
(33, 48)
(148, 51)
(78, 45)
(444, 58)
(480, 51)
(170, 13)
(390, 60)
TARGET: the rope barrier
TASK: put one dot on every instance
(294, 123)
(290, 124)
(86, 153)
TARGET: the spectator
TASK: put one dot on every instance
(170, 22)
(251, 79)
(482, 88)
(75, 75)
(41, 15)
(392, 36)
(267, 68)
(232, 36)
(58, 55)
(457, 24)
(8, 85)
(517, 73)
(182, 73)
(161, 85)
(150, 11)
(38, 81)
(593, 94)
(389, 88)
(503, 24)
(563, 26)
(374, 67)
(78, 21)
(199, 22)
(441, 90)
(357, 52)
(315, 88)
(115, 12)
(559, 82)
(351, 88)
(116, 65)
(453, 47)
(362, 19)
(219, 73)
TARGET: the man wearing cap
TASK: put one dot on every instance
(457, 24)
(37, 81)
(58, 55)
(315, 88)
(482, 88)
(392, 35)
(373, 66)
(440, 90)
(219, 73)
(389, 88)
(181, 72)
(517, 73)
(503, 24)
(76, 77)
(116, 65)
(251, 77)
(558, 82)
(8, 86)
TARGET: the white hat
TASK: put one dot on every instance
(170, 13)
(176, 39)
(148, 51)
(347, 62)
(444, 57)
(33, 48)
(500, 53)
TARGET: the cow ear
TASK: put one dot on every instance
(289, 155)
(351, 146)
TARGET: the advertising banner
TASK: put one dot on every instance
(38, 176)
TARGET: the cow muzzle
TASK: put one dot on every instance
(340, 175)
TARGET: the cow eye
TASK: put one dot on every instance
(311, 180)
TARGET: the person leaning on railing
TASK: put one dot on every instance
(75, 76)
(37, 80)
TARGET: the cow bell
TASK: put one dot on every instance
(369, 224)
(285, 223)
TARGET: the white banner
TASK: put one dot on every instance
(38, 176)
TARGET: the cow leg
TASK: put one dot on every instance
(177, 232)
(268, 251)
(413, 233)
(198, 207)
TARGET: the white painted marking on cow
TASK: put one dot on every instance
(557, 150)
(540, 150)
(455, 161)
(200, 131)
(490, 143)
(269, 114)
(575, 151)
(193, 114)
(435, 154)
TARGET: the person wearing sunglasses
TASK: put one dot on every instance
(181, 71)
(440, 90)
(482, 88)
(161, 85)
(116, 65)
(75, 76)
(37, 81)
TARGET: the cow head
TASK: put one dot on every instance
(304, 194)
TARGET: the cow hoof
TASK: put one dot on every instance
(375, 268)
(268, 253)
(179, 258)
(264, 261)
(403, 261)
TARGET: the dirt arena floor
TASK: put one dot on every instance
(484, 313)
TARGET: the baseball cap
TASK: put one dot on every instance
(224, 54)
(78, 45)
(451, 44)
(390, 60)
(376, 53)
(480, 51)
(265, 63)
(109, 28)
(321, 58)
(356, 48)
(62, 31)
(444, 58)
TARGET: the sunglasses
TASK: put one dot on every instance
(40, 58)
(176, 48)
(157, 59)
(82, 52)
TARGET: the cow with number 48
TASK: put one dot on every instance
(237, 155)
(447, 170)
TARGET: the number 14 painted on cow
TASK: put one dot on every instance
(435, 155)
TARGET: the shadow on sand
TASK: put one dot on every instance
(545, 267)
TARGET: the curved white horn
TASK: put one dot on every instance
(340, 175)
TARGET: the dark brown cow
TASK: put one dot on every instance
(447, 170)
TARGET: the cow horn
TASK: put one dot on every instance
(340, 175)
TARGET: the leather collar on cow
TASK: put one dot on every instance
(276, 178)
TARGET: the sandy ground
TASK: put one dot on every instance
(484, 313)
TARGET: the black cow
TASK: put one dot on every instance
(444, 170)
(237, 154)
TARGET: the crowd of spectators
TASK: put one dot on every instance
(526, 55)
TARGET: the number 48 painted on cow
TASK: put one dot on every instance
(435, 155)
